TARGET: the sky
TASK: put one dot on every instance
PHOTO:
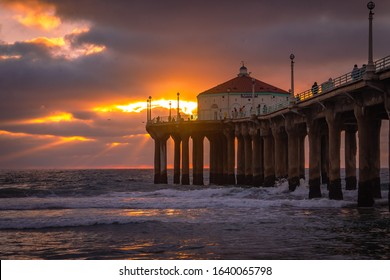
(75, 75)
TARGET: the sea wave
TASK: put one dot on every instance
(208, 204)
(228, 197)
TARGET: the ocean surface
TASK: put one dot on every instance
(121, 214)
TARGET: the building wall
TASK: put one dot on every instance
(236, 105)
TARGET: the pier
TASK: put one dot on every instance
(259, 148)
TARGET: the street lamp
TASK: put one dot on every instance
(178, 107)
(150, 108)
(228, 102)
(170, 111)
(147, 110)
(253, 96)
(292, 56)
(370, 66)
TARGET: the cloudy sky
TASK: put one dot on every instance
(75, 75)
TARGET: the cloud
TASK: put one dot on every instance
(21, 150)
(34, 13)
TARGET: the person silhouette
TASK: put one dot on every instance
(314, 88)
(355, 73)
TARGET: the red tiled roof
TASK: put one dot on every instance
(243, 84)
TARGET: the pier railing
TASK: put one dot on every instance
(350, 77)
(276, 107)
(382, 64)
(173, 119)
(331, 84)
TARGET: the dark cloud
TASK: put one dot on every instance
(30, 51)
(39, 80)
(183, 16)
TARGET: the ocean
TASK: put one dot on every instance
(121, 214)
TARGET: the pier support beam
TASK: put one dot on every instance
(387, 107)
(350, 157)
(269, 167)
(261, 160)
(248, 154)
(212, 159)
(257, 158)
(314, 134)
(375, 157)
(293, 153)
(302, 155)
(334, 128)
(224, 148)
(157, 161)
(280, 139)
(176, 161)
(368, 132)
(325, 156)
(219, 158)
(197, 159)
(229, 134)
(185, 174)
(163, 156)
(285, 154)
(240, 156)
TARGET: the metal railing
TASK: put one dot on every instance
(350, 77)
(173, 119)
(382, 64)
(276, 107)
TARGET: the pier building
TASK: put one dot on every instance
(239, 97)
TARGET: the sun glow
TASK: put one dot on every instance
(61, 117)
(45, 136)
(49, 42)
(76, 139)
(93, 49)
(51, 141)
(187, 107)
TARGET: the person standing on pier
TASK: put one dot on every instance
(355, 73)
(314, 88)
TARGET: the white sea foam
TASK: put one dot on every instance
(124, 202)
(211, 204)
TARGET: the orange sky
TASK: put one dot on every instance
(74, 77)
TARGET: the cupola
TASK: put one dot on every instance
(243, 71)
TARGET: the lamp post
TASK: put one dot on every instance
(170, 111)
(292, 56)
(253, 96)
(370, 66)
(149, 109)
(228, 101)
(178, 107)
